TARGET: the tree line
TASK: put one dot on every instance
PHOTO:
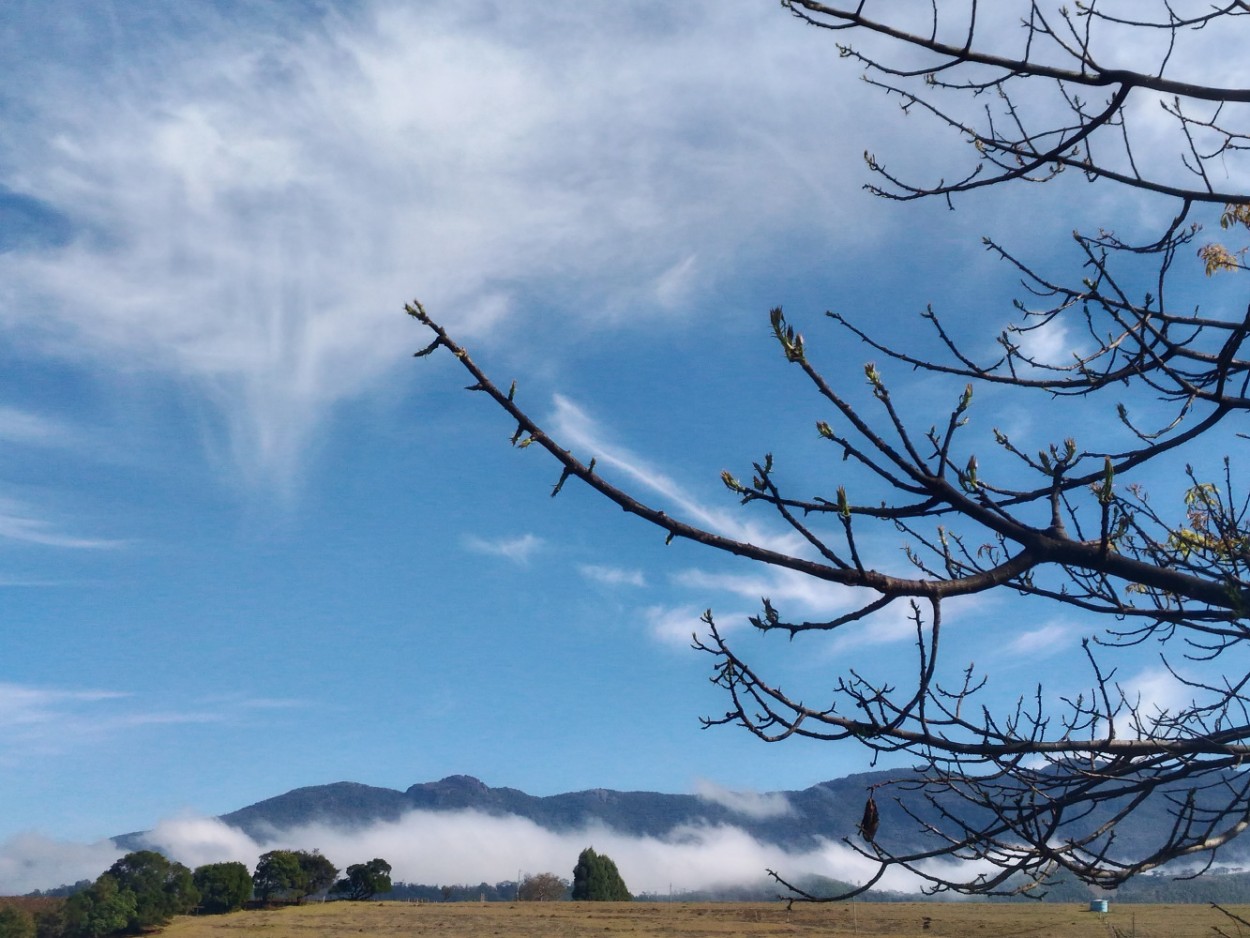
(144, 890)
(596, 878)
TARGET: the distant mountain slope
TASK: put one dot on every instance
(342, 804)
(829, 810)
(826, 811)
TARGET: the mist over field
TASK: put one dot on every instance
(452, 847)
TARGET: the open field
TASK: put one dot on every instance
(711, 920)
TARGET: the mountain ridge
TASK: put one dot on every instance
(800, 819)
(827, 810)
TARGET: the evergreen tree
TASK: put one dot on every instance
(596, 878)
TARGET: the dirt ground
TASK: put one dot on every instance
(713, 920)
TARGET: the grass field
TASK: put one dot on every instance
(713, 920)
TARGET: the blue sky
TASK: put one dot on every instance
(247, 543)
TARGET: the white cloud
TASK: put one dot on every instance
(1049, 343)
(612, 576)
(677, 625)
(1155, 692)
(778, 585)
(1150, 698)
(755, 805)
(1042, 642)
(516, 549)
(196, 840)
(886, 627)
(895, 623)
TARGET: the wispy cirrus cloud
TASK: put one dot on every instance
(796, 596)
(246, 206)
(674, 623)
(42, 721)
(577, 429)
(48, 720)
(612, 576)
(31, 429)
(24, 704)
(21, 522)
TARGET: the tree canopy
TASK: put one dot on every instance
(103, 908)
(1041, 93)
(542, 887)
(16, 922)
(142, 891)
(365, 880)
(292, 874)
(162, 888)
(318, 872)
(278, 876)
(223, 887)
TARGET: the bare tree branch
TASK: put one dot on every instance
(1039, 788)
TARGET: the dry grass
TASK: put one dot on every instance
(710, 920)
